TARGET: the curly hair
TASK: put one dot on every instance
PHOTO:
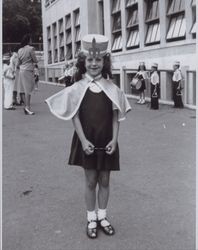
(81, 69)
(25, 40)
(144, 67)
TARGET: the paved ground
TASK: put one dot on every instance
(152, 202)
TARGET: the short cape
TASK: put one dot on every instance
(65, 104)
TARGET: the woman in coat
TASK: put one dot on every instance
(27, 60)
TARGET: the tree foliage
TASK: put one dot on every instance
(21, 17)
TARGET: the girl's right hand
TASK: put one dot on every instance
(88, 147)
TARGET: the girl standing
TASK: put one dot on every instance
(8, 83)
(154, 87)
(142, 75)
(177, 78)
(96, 106)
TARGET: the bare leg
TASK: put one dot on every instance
(143, 95)
(91, 177)
(103, 192)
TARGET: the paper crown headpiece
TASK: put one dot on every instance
(94, 45)
(154, 65)
(142, 63)
(176, 63)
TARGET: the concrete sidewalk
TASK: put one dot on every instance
(152, 200)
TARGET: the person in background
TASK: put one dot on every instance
(27, 59)
(176, 80)
(14, 59)
(142, 75)
(154, 86)
(36, 76)
(8, 82)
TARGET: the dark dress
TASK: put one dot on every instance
(154, 96)
(95, 114)
(177, 97)
(143, 87)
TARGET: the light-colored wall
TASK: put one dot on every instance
(164, 53)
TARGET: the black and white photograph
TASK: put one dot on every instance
(98, 124)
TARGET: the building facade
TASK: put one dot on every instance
(159, 31)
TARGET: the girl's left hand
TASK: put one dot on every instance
(111, 147)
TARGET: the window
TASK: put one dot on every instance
(194, 3)
(194, 25)
(101, 16)
(177, 27)
(130, 2)
(132, 24)
(77, 32)
(153, 23)
(132, 18)
(175, 6)
(47, 3)
(194, 28)
(55, 48)
(68, 36)
(115, 6)
(49, 45)
(116, 26)
(153, 33)
(177, 23)
(152, 12)
(117, 43)
(61, 40)
(133, 39)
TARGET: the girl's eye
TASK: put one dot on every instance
(98, 59)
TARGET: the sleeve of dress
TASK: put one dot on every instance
(124, 106)
(155, 79)
(33, 55)
(65, 104)
(178, 76)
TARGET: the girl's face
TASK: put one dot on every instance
(142, 67)
(175, 67)
(94, 65)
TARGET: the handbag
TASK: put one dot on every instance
(178, 92)
(9, 74)
(154, 94)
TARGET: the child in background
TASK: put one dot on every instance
(36, 76)
(176, 81)
(8, 83)
(154, 87)
(142, 75)
(96, 106)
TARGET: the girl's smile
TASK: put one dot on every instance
(94, 65)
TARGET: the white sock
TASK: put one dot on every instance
(91, 215)
(102, 213)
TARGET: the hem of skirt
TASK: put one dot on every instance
(92, 168)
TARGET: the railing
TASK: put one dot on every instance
(9, 47)
(122, 78)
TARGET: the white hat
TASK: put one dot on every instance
(95, 44)
(176, 63)
(154, 65)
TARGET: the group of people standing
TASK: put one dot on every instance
(21, 76)
(139, 82)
